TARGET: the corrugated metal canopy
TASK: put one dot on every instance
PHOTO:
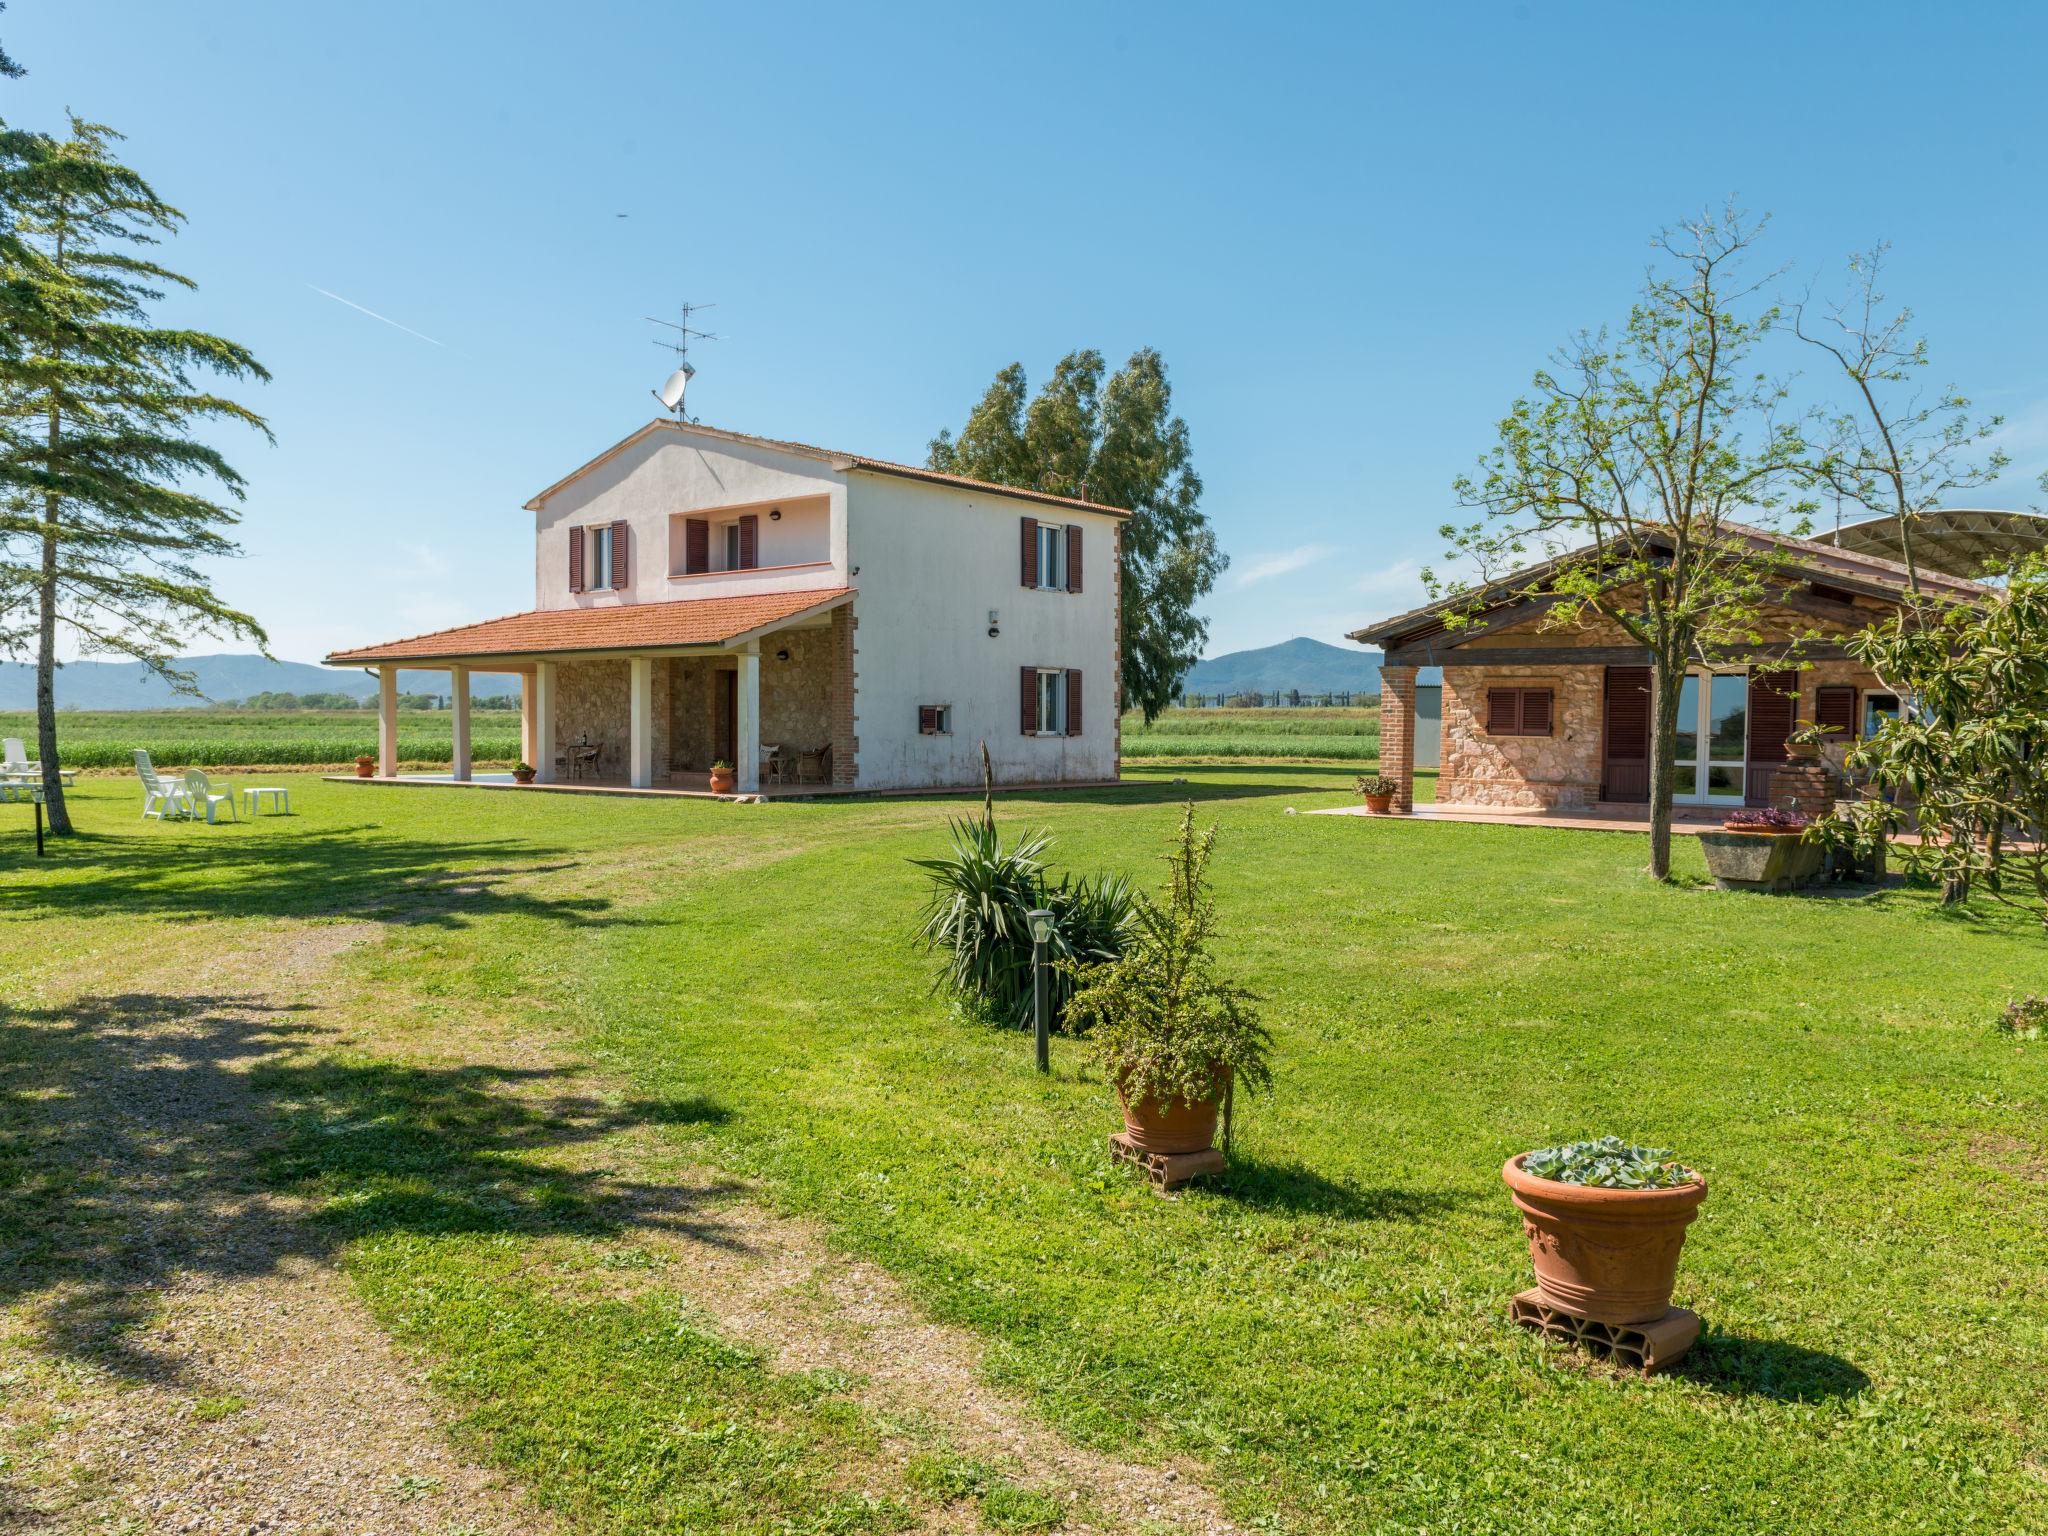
(1962, 541)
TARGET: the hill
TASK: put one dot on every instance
(129, 685)
(1309, 665)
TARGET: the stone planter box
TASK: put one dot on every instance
(1760, 861)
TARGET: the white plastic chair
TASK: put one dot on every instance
(160, 796)
(14, 762)
(199, 792)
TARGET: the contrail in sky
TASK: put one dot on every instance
(352, 304)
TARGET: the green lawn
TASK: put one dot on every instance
(1326, 1335)
(229, 738)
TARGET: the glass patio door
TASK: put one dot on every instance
(1713, 738)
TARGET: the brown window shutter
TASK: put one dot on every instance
(1536, 711)
(619, 570)
(1503, 711)
(1073, 557)
(1073, 701)
(575, 559)
(1772, 701)
(750, 542)
(1834, 708)
(1028, 678)
(927, 719)
(696, 546)
(1030, 526)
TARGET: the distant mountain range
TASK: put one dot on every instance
(129, 685)
(1308, 665)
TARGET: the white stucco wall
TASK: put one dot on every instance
(933, 561)
(669, 474)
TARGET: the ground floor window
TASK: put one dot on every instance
(935, 719)
(1052, 703)
(1878, 708)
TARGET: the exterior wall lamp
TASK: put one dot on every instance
(995, 625)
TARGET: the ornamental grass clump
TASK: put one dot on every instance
(1609, 1163)
(1168, 1026)
(976, 916)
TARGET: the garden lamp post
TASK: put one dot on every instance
(1041, 997)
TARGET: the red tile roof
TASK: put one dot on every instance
(627, 627)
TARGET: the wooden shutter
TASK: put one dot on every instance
(750, 542)
(1073, 701)
(1073, 557)
(1536, 711)
(1834, 709)
(575, 559)
(1627, 751)
(1028, 676)
(619, 569)
(927, 719)
(1503, 711)
(1772, 704)
(1030, 563)
(696, 546)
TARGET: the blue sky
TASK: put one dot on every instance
(1352, 232)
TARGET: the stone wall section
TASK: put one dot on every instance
(796, 695)
(845, 718)
(593, 699)
(1560, 771)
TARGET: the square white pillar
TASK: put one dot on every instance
(458, 709)
(640, 712)
(529, 754)
(747, 725)
(544, 722)
(387, 722)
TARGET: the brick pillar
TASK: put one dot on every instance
(1397, 733)
(845, 744)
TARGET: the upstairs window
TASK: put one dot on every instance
(1052, 557)
(730, 536)
(600, 563)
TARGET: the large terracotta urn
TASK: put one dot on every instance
(1607, 1254)
(1174, 1128)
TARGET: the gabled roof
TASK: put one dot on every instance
(1853, 570)
(692, 621)
(838, 461)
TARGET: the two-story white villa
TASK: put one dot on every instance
(816, 619)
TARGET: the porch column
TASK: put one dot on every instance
(1397, 733)
(529, 754)
(543, 759)
(640, 713)
(747, 725)
(387, 722)
(458, 709)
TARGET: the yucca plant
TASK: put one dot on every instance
(975, 916)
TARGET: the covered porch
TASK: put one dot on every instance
(647, 697)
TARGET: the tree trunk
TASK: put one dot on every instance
(1667, 678)
(46, 672)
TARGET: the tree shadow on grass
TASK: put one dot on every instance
(1769, 1368)
(1290, 1187)
(357, 871)
(149, 1140)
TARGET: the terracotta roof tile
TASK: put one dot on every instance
(627, 627)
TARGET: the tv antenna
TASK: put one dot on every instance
(671, 392)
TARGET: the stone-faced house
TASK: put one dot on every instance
(1542, 716)
(811, 617)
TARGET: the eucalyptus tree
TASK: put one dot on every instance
(109, 500)
(1116, 441)
(1639, 469)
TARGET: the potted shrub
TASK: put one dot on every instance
(722, 778)
(522, 773)
(366, 767)
(1171, 1032)
(1378, 791)
(1761, 850)
(1605, 1223)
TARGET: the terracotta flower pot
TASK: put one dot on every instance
(366, 767)
(722, 781)
(522, 775)
(1607, 1254)
(1176, 1127)
(1379, 805)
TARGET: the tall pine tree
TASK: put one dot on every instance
(106, 497)
(1120, 444)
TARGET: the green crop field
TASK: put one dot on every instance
(1301, 735)
(234, 738)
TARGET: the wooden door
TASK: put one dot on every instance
(729, 717)
(1625, 759)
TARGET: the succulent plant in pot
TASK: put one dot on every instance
(1172, 1033)
(522, 773)
(722, 777)
(1605, 1222)
(1378, 791)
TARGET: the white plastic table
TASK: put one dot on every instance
(280, 799)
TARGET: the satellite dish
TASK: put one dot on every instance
(671, 393)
